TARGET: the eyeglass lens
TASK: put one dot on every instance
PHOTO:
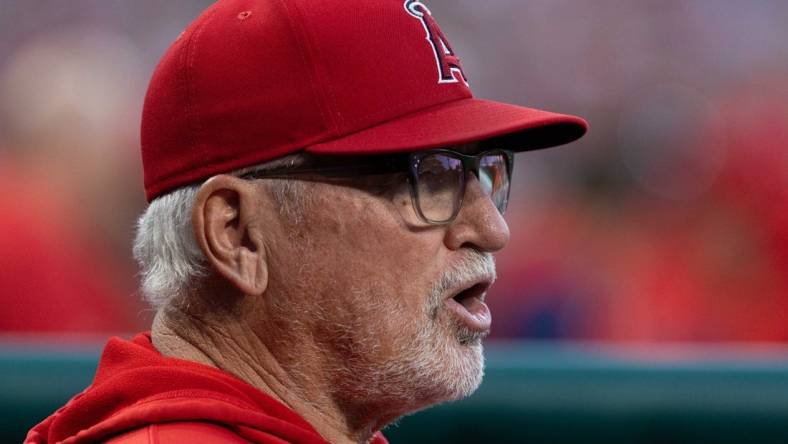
(494, 178)
(440, 184)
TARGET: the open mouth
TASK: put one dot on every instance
(469, 307)
(468, 297)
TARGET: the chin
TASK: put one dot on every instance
(468, 368)
(438, 363)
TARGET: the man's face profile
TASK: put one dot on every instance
(383, 295)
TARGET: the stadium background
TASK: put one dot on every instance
(643, 296)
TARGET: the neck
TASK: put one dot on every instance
(233, 347)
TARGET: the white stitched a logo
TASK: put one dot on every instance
(449, 68)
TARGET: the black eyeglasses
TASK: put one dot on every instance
(437, 178)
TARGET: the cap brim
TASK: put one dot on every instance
(462, 121)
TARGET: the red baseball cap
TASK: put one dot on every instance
(253, 80)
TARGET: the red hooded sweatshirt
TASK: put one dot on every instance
(139, 396)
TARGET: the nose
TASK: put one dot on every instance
(479, 224)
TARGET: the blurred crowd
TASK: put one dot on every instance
(668, 222)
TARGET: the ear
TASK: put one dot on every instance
(226, 223)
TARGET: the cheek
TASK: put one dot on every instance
(366, 246)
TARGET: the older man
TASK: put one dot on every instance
(325, 198)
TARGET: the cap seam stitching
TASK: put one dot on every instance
(328, 86)
(191, 57)
(189, 108)
(310, 68)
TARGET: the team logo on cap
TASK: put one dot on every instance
(449, 69)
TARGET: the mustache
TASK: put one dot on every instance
(474, 265)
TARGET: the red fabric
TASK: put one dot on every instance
(135, 386)
(252, 80)
(179, 432)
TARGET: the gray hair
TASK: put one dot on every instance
(171, 263)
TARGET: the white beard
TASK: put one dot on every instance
(441, 361)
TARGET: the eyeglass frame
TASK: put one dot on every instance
(395, 164)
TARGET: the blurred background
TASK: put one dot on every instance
(656, 247)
